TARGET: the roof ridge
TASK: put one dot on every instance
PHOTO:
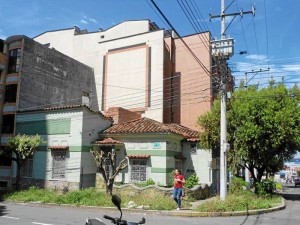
(53, 108)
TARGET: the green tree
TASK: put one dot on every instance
(263, 128)
(23, 147)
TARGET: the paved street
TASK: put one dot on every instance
(25, 214)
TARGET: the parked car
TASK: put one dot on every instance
(297, 181)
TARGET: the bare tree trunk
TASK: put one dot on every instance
(18, 176)
(108, 178)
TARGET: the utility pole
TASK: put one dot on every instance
(222, 50)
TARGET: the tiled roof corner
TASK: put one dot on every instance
(146, 125)
(63, 107)
(107, 141)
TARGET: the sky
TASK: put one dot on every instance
(270, 37)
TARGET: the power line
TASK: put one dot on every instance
(193, 21)
(185, 44)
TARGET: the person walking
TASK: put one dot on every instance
(178, 187)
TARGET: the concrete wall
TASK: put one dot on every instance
(195, 84)
(197, 161)
(130, 73)
(198, 192)
(49, 78)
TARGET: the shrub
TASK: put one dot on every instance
(146, 183)
(237, 185)
(278, 186)
(265, 187)
(192, 181)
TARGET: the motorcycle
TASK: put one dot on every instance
(118, 221)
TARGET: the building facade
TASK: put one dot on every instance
(35, 76)
(154, 150)
(135, 65)
(143, 68)
(64, 160)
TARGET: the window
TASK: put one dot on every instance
(59, 165)
(14, 61)
(10, 93)
(138, 170)
(178, 164)
(5, 159)
(28, 168)
(8, 124)
(3, 184)
(108, 167)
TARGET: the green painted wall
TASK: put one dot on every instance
(161, 170)
(71, 148)
(153, 152)
(43, 127)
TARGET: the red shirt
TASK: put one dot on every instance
(178, 184)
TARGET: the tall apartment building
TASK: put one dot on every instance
(143, 68)
(33, 76)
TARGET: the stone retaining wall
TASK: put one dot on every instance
(198, 192)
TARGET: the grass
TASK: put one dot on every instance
(241, 201)
(245, 200)
(91, 197)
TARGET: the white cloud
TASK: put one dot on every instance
(291, 67)
(93, 20)
(83, 21)
(261, 58)
(87, 19)
(256, 70)
(2, 36)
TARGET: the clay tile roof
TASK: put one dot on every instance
(107, 141)
(58, 147)
(184, 131)
(193, 139)
(146, 125)
(138, 156)
(61, 108)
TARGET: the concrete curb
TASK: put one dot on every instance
(183, 212)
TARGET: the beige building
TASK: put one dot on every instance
(142, 68)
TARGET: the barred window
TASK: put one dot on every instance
(28, 168)
(138, 170)
(59, 165)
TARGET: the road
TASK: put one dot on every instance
(29, 214)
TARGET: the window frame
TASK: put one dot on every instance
(139, 173)
(59, 173)
(14, 61)
(11, 93)
(28, 168)
(8, 126)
